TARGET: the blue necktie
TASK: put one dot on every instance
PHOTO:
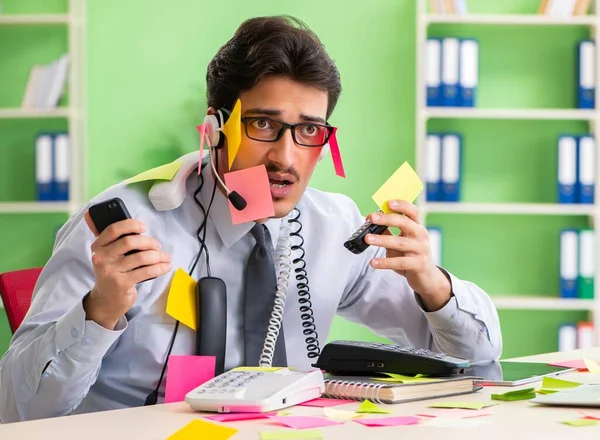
(260, 288)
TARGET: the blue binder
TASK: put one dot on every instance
(468, 72)
(434, 167)
(451, 166)
(60, 180)
(569, 270)
(450, 71)
(567, 169)
(586, 81)
(586, 175)
(44, 152)
(433, 72)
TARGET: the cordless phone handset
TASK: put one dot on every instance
(356, 243)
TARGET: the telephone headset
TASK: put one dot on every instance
(168, 195)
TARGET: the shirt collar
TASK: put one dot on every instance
(221, 216)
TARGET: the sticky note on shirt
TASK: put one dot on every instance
(184, 373)
(200, 429)
(253, 185)
(163, 172)
(181, 302)
(404, 184)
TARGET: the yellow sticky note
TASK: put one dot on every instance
(200, 429)
(181, 302)
(592, 366)
(400, 378)
(368, 407)
(580, 422)
(233, 132)
(404, 184)
(339, 415)
(552, 383)
(163, 172)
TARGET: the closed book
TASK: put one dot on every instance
(387, 390)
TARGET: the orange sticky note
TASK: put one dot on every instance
(198, 429)
(233, 132)
(184, 373)
(404, 184)
(253, 185)
(181, 302)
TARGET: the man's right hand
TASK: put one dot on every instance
(116, 273)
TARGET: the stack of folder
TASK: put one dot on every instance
(577, 263)
(451, 72)
(52, 167)
(444, 167)
(576, 169)
(586, 74)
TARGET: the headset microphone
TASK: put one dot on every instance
(237, 200)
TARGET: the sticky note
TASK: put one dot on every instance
(163, 172)
(237, 416)
(449, 422)
(580, 422)
(557, 384)
(200, 429)
(404, 184)
(339, 415)
(308, 434)
(202, 132)
(389, 421)
(253, 185)
(303, 422)
(184, 373)
(463, 405)
(368, 407)
(590, 414)
(323, 402)
(576, 363)
(455, 413)
(592, 366)
(400, 378)
(181, 302)
(336, 155)
(233, 132)
(523, 394)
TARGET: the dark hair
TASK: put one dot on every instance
(270, 46)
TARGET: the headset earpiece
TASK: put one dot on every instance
(214, 125)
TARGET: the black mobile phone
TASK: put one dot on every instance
(106, 213)
(356, 242)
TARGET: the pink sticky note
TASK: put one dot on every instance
(456, 413)
(335, 154)
(325, 403)
(184, 373)
(303, 422)
(202, 131)
(237, 416)
(590, 414)
(576, 363)
(388, 421)
(253, 185)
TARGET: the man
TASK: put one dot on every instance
(97, 337)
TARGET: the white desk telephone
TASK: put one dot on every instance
(256, 389)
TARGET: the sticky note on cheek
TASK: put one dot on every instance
(404, 184)
(253, 185)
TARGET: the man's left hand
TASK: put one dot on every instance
(409, 254)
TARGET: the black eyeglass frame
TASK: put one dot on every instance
(284, 127)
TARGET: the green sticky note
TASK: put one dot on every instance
(580, 422)
(368, 407)
(308, 434)
(547, 391)
(463, 405)
(524, 394)
(400, 378)
(558, 384)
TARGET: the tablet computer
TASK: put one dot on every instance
(508, 373)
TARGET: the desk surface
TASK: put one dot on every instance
(510, 420)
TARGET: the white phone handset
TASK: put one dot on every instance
(255, 389)
(170, 194)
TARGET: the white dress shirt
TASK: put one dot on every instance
(59, 363)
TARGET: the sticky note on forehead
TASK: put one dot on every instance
(404, 184)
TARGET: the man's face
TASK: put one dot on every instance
(289, 166)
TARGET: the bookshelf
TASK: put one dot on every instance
(590, 214)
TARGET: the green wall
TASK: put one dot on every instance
(146, 92)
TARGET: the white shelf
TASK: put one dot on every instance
(508, 208)
(540, 303)
(24, 113)
(511, 19)
(32, 19)
(526, 114)
(33, 207)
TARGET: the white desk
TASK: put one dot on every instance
(510, 421)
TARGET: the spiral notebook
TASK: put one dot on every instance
(383, 390)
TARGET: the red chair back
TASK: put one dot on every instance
(16, 290)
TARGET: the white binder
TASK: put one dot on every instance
(450, 70)
(434, 167)
(433, 72)
(567, 169)
(435, 244)
(587, 169)
(468, 72)
(43, 166)
(568, 263)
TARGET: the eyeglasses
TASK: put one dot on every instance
(307, 134)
